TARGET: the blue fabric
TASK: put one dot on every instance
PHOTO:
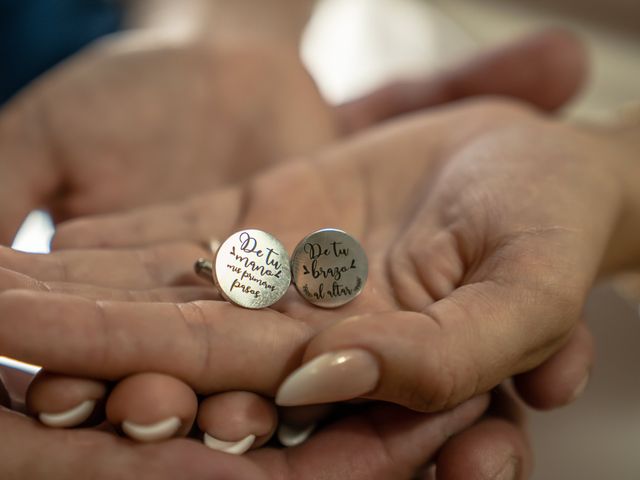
(37, 34)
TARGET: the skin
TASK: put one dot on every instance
(430, 260)
(291, 344)
(213, 126)
(426, 95)
(211, 113)
(395, 441)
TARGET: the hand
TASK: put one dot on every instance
(436, 248)
(407, 439)
(136, 120)
(149, 397)
(71, 306)
(387, 442)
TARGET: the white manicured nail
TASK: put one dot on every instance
(234, 448)
(291, 436)
(152, 433)
(70, 418)
(330, 377)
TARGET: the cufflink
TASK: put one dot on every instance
(329, 268)
(251, 269)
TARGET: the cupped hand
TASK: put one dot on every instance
(414, 352)
(375, 443)
(483, 243)
(205, 232)
(147, 396)
(136, 119)
(384, 442)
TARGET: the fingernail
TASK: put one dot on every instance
(234, 448)
(581, 388)
(331, 377)
(509, 471)
(71, 418)
(154, 432)
(291, 436)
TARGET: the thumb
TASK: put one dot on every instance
(28, 175)
(459, 347)
(545, 69)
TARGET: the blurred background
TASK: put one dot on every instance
(351, 46)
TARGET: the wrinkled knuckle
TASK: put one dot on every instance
(436, 387)
(433, 392)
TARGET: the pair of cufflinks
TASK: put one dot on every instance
(252, 269)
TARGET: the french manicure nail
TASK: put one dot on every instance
(291, 436)
(234, 448)
(71, 418)
(154, 432)
(331, 377)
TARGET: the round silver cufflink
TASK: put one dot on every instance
(329, 268)
(251, 269)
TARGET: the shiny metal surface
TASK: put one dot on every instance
(252, 269)
(329, 268)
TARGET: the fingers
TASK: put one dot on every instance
(545, 69)
(207, 216)
(93, 454)
(235, 422)
(212, 346)
(563, 377)
(494, 448)
(27, 174)
(62, 402)
(148, 268)
(462, 346)
(384, 442)
(150, 407)
(10, 280)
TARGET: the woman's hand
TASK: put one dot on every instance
(136, 119)
(485, 224)
(148, 398)
(385, 442)
(172, 278)
(480, 262)
(382, 442)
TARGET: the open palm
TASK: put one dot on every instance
(446, 257)
(135, 120)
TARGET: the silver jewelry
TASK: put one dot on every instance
(329, 268)
(251, 269)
